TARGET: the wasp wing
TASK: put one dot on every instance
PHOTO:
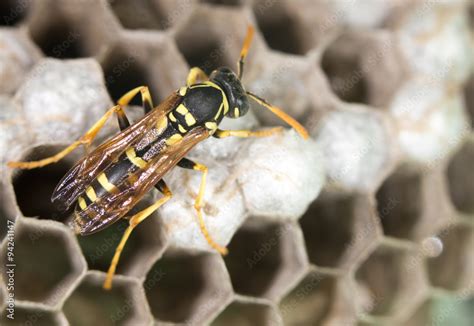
(109, 208)
(88, 168)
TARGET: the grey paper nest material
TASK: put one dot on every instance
(369, 222)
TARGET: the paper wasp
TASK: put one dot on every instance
(108, 182)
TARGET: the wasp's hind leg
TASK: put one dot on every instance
(194, 75)
(188, 164)
(133, 222)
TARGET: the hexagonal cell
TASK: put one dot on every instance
(48, 261)
(461, 179)
(26, 315)
(12, 12)
(60, 101)
(423, 33)
(248, 312)
(224, 30)
(319, 299)
(266, 259)
(364, 68)
(145, 245)
(412, 204)
(453, 269)
(391, 282)
(342, 64)
(124, 304)
(358, 146)
(287, 27)
(64, 29)
(187, 288)
(340, 229)
(150, 14)
(143, 59)
(38, 204)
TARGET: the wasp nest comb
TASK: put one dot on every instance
(370, 221)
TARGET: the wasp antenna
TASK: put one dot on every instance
(282, 115)
(245, 49)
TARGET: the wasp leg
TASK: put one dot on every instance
(188, 164)
(195, 74)
(133, 222)
(89, 136)
(86, 139)
(247, 133)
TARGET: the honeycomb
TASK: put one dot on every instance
(371, 222)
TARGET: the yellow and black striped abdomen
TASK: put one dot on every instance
(129, 162)
(109, 180)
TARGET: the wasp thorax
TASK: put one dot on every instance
(234, 90)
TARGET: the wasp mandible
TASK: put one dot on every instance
(108, 182)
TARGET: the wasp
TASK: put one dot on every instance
(107, 183)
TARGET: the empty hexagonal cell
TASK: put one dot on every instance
(64, 29)
(26, 315)
(224, 30)
(143, 59)
(287, 27)
(150, 14)
(412, 204)
(454, 267)
(12, 12)
(391, 282)
(340, 229)
(248, 312)
(90, 304)
(265, 259)
(461, 179)
(43, 180)
(342, 64)
(319, 299)
(47, 258)
(364, 68)
(188, 288)
(144, 246)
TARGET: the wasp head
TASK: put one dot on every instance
(234, 90)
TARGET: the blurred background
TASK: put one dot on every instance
(378, 230)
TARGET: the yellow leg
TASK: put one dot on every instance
(281, 114)
(194, 75)
(133, 222)
(247, 133)
(84, 140)
(89, 136)
(198, 206)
